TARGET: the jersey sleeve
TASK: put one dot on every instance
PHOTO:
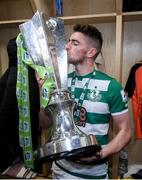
(117, 98)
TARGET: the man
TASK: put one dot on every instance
(98, 97)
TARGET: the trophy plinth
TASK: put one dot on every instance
(66, 139)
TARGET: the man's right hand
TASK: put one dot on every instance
(40, 81)
(45, 119)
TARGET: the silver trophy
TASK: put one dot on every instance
(47, 47)
(67, 141)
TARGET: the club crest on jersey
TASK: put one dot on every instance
(94, 95)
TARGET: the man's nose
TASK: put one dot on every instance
(68, 46)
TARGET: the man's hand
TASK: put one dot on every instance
(45, 119)
(86, 160)
(95, 157)
(40, 81)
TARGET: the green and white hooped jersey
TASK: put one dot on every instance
(103, 98)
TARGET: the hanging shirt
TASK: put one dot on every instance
(131, 84)
(134, 89)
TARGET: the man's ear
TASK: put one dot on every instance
(91, 52)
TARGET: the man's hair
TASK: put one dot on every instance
(92, 32)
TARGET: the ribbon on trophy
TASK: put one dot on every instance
(22, 92)
(38, 49)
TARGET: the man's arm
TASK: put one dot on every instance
(45, 119)
(121, 139)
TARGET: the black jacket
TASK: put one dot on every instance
(9, 114)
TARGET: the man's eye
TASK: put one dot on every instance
(75, 43)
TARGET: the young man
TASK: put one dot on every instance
(101, 97)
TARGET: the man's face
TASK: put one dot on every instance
(77, 48)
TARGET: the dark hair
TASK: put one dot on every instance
(91, 32)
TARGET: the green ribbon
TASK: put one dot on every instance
(23, 99)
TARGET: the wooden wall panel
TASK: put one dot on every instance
(15, 9)
(5, 36)
(46, 6)
(80, 7)
(118, 50)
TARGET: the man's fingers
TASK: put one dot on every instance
(96, 157)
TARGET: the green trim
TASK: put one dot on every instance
(81, 175)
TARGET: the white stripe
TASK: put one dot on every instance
(4, 173)
(81, 84)
(30, 175)
(78, 84)
(96, 129)
(102, 85)
(21, 172)
(69, 82)
(96, 107)
(76, 167)
(119, 113)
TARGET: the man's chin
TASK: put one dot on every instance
(71, 62)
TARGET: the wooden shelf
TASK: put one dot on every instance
(83, 19)
(132, 16)
(70, 20)
(12, 23)
(89, 19)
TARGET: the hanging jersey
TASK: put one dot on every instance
(137, 103)
(134, 89)
(131, 83)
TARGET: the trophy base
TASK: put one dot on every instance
(69, 148)
(61, 145)
(73, 155)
